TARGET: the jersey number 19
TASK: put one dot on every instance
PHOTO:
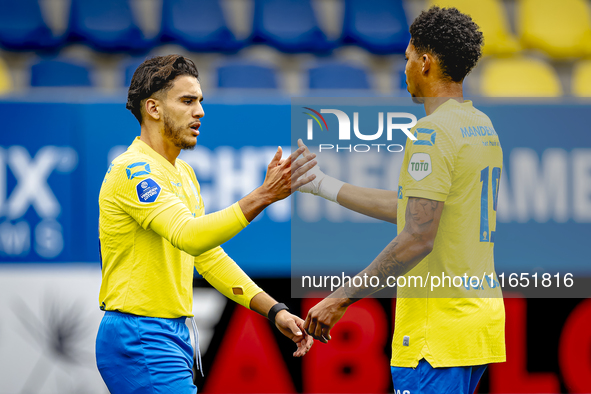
(485, 234)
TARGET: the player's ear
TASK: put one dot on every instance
(152, 108)
(426, 62)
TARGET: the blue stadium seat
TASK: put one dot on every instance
(288, 25)
(106, 25)
(338, 76)
(22, 27)
(246, 76)
(380, 26)
(52, 73)
(208, 33)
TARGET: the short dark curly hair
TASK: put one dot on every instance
(451, 36)
(154, 76)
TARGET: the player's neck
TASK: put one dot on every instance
(440, 93)
(161, 145)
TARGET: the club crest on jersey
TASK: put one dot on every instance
(137, 169)
(425, 137)
(148, 191)
(419, 166)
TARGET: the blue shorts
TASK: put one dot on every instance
(138, 354)
(424, 379)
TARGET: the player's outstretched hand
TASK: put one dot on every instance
(285, 176)
(321, 185)
(323, 316)
(312, 187)
(293, 327)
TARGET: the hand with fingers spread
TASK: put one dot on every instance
(323, 316)
(285, 176)
(282, 179)
(293, 327)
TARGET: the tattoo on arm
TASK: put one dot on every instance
(420, 211)
(406, 250)
(391, 264)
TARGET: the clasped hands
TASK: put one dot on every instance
(320, 320)
(293, 173)
(323, 316)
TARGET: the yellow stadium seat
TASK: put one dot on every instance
(562, 28)
(581, 79)
(519, 77)
(5, 79)
(492, 19)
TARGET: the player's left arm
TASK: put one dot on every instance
(376, 203)
(405, 251)
(427, 190)
(227, 277)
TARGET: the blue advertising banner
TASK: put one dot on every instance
(53, 157)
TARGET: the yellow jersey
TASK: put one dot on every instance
(457, 159)
(142, 272)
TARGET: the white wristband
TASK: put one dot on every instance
(329, 188)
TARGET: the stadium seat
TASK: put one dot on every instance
(53, 73)
(106, 25)
(491, 17)
(246, 76)
(561, 29)
(519, 77)
(379, 26)
(22, 27)
(289, 26)
(208, 33)
(338, 76)
(581, 79)
(5, 78)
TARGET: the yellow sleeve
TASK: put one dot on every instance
(198, 235)
(431, 162)
(144, 193)
(226, 276)
(140, 190)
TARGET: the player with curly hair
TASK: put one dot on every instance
(445, 209)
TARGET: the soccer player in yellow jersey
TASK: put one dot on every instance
(153, 232)
(445, 209)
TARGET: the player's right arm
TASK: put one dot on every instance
(148, 199)
(198, 235)
(376, 203)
